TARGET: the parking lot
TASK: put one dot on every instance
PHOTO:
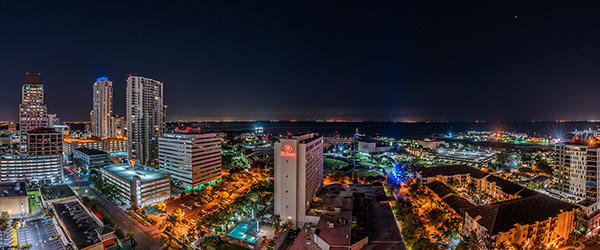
(40, 234)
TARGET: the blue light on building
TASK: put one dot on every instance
(102, 78)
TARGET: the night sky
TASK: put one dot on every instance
(375, 60)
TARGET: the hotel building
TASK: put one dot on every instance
(576, 170)
(102, 107)
(192, 158)
(298, 176)
(145, 118)
(138, 185)
(33, 112)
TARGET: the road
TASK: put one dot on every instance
(147, 237)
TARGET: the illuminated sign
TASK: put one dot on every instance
(102, 78)
(287, 151)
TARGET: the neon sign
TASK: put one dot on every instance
(287, 151)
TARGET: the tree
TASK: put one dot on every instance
(469, 242)
(161, 206)
(424, 243)
(178, 213)
(171, 222)
(119, 233)
(4, 218)
(131, 236)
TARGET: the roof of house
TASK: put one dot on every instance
(91, 151)
(450, 197)
(80, 225)
(502, 216)
(448, 170)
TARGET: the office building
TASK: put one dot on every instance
(44, 141)
(13, 199)
(102, 107)
(576, 170)
(31, 168)
(89, 158)
(145, 118)
(192, 158)
(138, 185)
(298, 175)
(33, 112)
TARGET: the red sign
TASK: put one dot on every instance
(287, 151)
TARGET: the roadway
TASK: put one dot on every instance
(147, 237)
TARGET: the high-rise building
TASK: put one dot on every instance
(32, 111)
(117, 125)
(298, 176)
(102, 107)
(31, 168)
(145, 118)
(576, 170)
(53, 120)
(192, 158)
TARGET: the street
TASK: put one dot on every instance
(147, 237)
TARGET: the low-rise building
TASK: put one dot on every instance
(138, 185)
(56, 193)
(521, 218)
(89, 158)
(83, 229)
(112, 145)
(13, 199)
(31, 168)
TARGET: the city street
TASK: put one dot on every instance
(147, 237)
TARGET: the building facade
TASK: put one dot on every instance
(298, 176)
(576, 171)
(13, 199)
(33, 112)
(102, 107)
(145, 118)
(31, 168)
(138, 185)
(89, 159)
(44, 141)
(114, 145)
(117, 126)
(192, 158)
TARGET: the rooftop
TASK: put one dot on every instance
(42, 130)
(78, 222)
(12, 189)
(127, 172)
(502, 216)
(33, 79)
(91, 151)
(450, 197)
(56, 192)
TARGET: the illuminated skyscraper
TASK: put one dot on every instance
(298, 176)
(145, 118)
(102, 107)
(32, 111)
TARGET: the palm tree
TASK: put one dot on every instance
(131, 236)
(4, 224)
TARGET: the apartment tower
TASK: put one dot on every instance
(102, 107)
(145, 118)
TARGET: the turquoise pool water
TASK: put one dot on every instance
(239, 232)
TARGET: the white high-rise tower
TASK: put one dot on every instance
(145, 118)
(102, 107)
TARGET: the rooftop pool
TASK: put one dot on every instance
(239, 232)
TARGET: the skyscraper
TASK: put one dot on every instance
(298, 176)
(575, 172)
(145, 118)
(32, 111)
(102, 107)
(192, 158)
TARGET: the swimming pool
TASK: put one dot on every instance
(239, 232)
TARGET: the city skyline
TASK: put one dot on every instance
(420, 62)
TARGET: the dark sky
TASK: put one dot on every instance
(376, 60)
